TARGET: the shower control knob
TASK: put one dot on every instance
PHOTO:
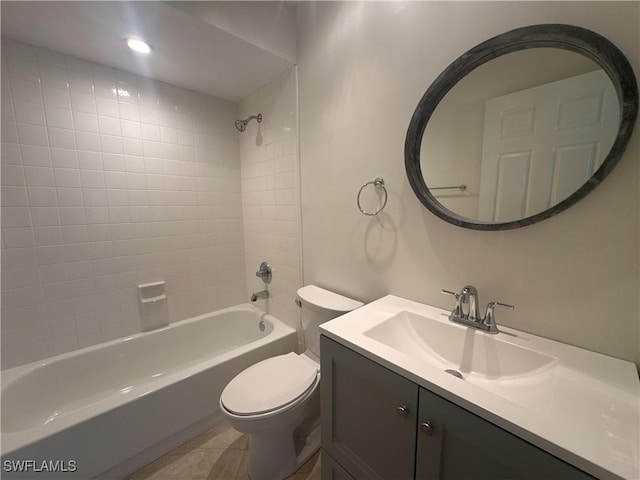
(264, 272)
(402, 410)
(426, 428)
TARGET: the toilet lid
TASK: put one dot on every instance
(269, 385)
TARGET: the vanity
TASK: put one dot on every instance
(406, 393)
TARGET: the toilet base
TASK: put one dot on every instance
(273, 457)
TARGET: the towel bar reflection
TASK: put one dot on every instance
(378, 183)
(462, 188)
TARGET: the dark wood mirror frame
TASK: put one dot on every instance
(567, 37)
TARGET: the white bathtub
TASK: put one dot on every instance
(106, 410)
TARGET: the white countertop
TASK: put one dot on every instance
(585, 410)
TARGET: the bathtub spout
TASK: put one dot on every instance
(259, 295)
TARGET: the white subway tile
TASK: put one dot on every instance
(59, 98)
(82, 102)
(99, 233)
(115, 179)
(111, 144)
(85, 122)
(66, 177)
(149, 115)
(14, 196)
(92, 178)
(77, 252)
(11, 154)
(52, 254)
(94, 197)
(114, 163)
(32, 113)
(36, 332)
(61, 138)
(64, 344)
(54, 76)
(38, 176)
(88, 141)
(9, 132)
(90, 160)
(80, 79)
(45, 216)
(187, 154)
(152, 149)
(117, 197)
(54, 273)
(74, 234)
(107, 107)
(150, 132)
(26, 91)
(46, 236)
(129, 111)
(18, 237)
(72, 216)
(78, 270)
(59, 117)
(12, 174)
(118, 216)
(109, 125)
(136, 181)
(170, 151)
(64, 158)
(32, 135)
(69, 197)
(132, 146)
(57, 292)
(21, 257)
(131, 129)
(42, 196)
(97, 215)
(104, 83)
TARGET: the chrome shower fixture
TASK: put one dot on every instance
(241, 125)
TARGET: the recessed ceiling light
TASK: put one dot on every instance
(138, 45)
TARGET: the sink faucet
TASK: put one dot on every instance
(260, 295)
(466, 310)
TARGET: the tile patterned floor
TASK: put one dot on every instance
(220, 453)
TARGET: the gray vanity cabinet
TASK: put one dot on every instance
(369, 415)
(377, 424)
(454, 443)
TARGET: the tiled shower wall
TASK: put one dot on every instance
(110, 180)
(271, 193)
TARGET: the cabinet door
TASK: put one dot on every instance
(369, 415)
(461, 445)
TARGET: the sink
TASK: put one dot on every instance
(470, 354)
(581, 406)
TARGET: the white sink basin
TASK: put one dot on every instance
(581, 406)
(474, 354)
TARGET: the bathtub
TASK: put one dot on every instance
(106, 410)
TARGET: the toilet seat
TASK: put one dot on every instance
(270, 385)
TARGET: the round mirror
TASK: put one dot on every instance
(521, 127)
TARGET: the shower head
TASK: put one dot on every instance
(241, 125)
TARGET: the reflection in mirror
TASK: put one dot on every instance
(522, 132)
(529, 122)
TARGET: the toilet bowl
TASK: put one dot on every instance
(276, 401)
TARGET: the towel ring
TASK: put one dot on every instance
(378, 182)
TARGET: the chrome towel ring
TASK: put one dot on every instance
(378, 183)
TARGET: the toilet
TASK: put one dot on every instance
(277, 401)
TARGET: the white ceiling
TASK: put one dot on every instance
(191, 52)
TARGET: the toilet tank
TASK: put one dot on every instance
(319, 305)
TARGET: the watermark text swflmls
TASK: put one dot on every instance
(40, 466)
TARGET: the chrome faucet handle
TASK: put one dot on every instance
(265, 272)
(457, 310)
(490, 317)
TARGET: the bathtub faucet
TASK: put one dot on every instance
(259, 295)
